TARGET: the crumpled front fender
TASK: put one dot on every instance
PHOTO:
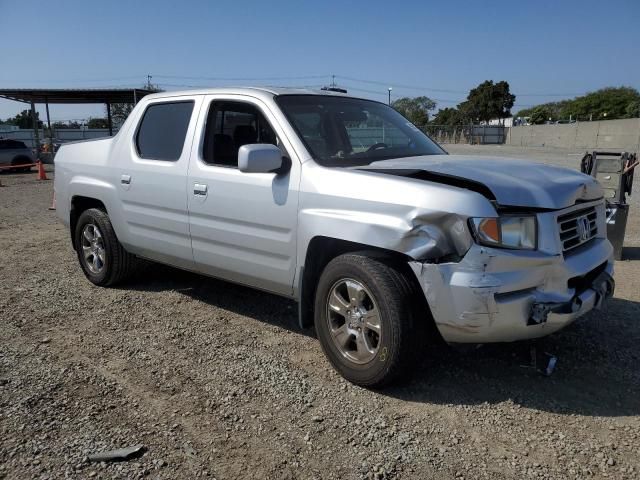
(422, 220)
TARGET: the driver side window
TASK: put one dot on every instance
(231, 125)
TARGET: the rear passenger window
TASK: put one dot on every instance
(231, 125)
(163, 129)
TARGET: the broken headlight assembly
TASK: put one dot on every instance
(508, 231)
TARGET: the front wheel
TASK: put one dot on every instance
(364, 319)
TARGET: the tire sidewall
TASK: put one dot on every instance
(378, 367)
(100, 219)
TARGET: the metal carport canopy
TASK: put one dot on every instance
(72, 96)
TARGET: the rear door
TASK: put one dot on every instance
(151, 179)
(242, 224)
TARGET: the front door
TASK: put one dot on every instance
(243, 225)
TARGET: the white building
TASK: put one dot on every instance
(507, 122)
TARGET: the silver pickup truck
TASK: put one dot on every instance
(343, 205)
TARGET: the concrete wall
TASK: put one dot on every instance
(607, 134)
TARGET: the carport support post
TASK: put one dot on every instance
(46, 104)
(36, 133)
(109, 121)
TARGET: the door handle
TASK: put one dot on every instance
(125, 179)
(199, 189)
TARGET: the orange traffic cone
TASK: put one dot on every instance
(42, 175)
(53, 202)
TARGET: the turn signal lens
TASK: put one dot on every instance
(489, 230)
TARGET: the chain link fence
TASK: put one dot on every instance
(465, 134)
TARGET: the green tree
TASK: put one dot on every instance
(415, 109)
(98, 123)
(120, 112)
(23, 120)
(620, 102)
(488, 101)
(555, 110)
(610, 101)
(540, 115)
(448, 116)
(633, 109)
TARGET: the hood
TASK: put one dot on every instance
(511, 182)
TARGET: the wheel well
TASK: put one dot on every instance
(322, 250)
(78, 205)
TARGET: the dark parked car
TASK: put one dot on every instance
(14, 152)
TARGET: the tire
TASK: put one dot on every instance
(21, 161)
(113, 264)
(361, 356)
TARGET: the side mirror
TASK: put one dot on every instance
(259, 158)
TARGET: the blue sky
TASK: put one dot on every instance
(546, 50)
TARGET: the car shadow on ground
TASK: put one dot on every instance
(264, 307)
(596, 373)
(13, 173)
(597, 358)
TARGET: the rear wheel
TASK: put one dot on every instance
(21, 161)
(364, 317)
(103, 260)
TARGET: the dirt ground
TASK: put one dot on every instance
(218, 381)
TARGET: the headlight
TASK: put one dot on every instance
(507, 231)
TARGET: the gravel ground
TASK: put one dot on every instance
(218, 381)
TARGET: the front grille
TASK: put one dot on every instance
(577, 227)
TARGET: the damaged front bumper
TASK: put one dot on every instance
(497, 295)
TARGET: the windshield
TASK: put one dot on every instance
(347, 132)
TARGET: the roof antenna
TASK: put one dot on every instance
(334, 87)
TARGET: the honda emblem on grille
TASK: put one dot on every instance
(584, 228)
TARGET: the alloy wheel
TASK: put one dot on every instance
(93, 248)
(354, 321)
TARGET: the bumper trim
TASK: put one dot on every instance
(494, 295)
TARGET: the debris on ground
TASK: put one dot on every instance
(542, 362)
(119, 455)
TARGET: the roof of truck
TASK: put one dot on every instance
(252, 91)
